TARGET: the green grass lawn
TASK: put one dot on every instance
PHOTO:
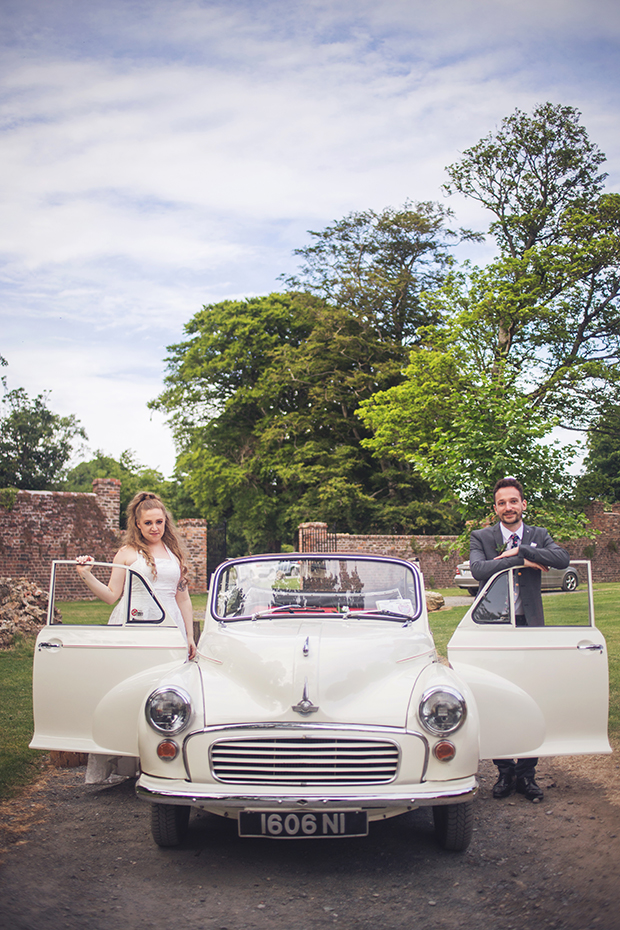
(19, 765)
(86, 612)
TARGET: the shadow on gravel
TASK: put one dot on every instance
(399, 840)
(88, 862)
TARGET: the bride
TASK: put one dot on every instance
(152, 547)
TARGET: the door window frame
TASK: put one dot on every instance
(508, 574)
(132, 574)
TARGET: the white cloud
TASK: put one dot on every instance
(158, 156)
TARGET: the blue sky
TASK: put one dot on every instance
(157, 156)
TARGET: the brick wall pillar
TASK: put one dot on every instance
(194, 535)
(307, 534)
(108, 494)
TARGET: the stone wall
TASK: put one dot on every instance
(429, 551)
(41, 526)
(603, 551)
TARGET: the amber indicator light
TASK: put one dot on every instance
(167, 750)
(444, 750)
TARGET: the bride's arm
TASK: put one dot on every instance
(111, 592)
(185, 606)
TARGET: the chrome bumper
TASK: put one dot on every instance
(158, 793)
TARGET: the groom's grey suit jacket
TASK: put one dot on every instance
(537, 546)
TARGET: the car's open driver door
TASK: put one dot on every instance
(89, 681)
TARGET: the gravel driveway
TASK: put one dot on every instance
(81, 857)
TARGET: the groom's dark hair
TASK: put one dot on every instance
(508, 483)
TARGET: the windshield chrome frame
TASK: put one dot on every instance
(410, 566)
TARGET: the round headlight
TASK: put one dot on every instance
(168, 710)
(442, 710)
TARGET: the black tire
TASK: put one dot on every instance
(570, 581)
(169, 823)
(473, 591)
(454, 825)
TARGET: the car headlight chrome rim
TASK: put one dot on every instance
(168, 710)
(442, 710)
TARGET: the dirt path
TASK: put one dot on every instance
(77, 856)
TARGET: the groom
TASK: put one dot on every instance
(511, 543)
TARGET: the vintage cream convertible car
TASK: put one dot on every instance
(317, 702)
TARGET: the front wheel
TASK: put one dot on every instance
(169, 823)
(570, 581)
(454, 825)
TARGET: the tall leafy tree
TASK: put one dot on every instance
(601, 477)
(462, 431)
(224, 391)
(378, 264)
(527, 343)
(528, 173)
(552, 316)
(263, 399)
(35, 442)
(549, 302)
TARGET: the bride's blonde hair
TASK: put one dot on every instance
(142, 502)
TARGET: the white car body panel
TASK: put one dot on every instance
(561, 714)
(511, 722)
(258, 670)
(86, 675)
(545, 689)
(85, 696)
(266, 677)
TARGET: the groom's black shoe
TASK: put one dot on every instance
(528, 787)
(504, 786)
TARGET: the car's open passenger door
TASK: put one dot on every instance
(538, 690)
(89, 678)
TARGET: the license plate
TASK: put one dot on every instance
(304, 824)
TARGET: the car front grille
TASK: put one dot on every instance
(304, 761)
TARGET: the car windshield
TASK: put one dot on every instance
(313, 584)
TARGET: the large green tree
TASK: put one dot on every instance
(601, 477)
(462, 431)
(263, 399)
(377, 265)
(527, 343)
(220, 385)
(263, 395)
(528, 173)
(35, 442)
(548, 304)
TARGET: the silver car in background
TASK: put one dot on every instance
(564, 579)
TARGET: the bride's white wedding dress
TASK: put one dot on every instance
(102, 769)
